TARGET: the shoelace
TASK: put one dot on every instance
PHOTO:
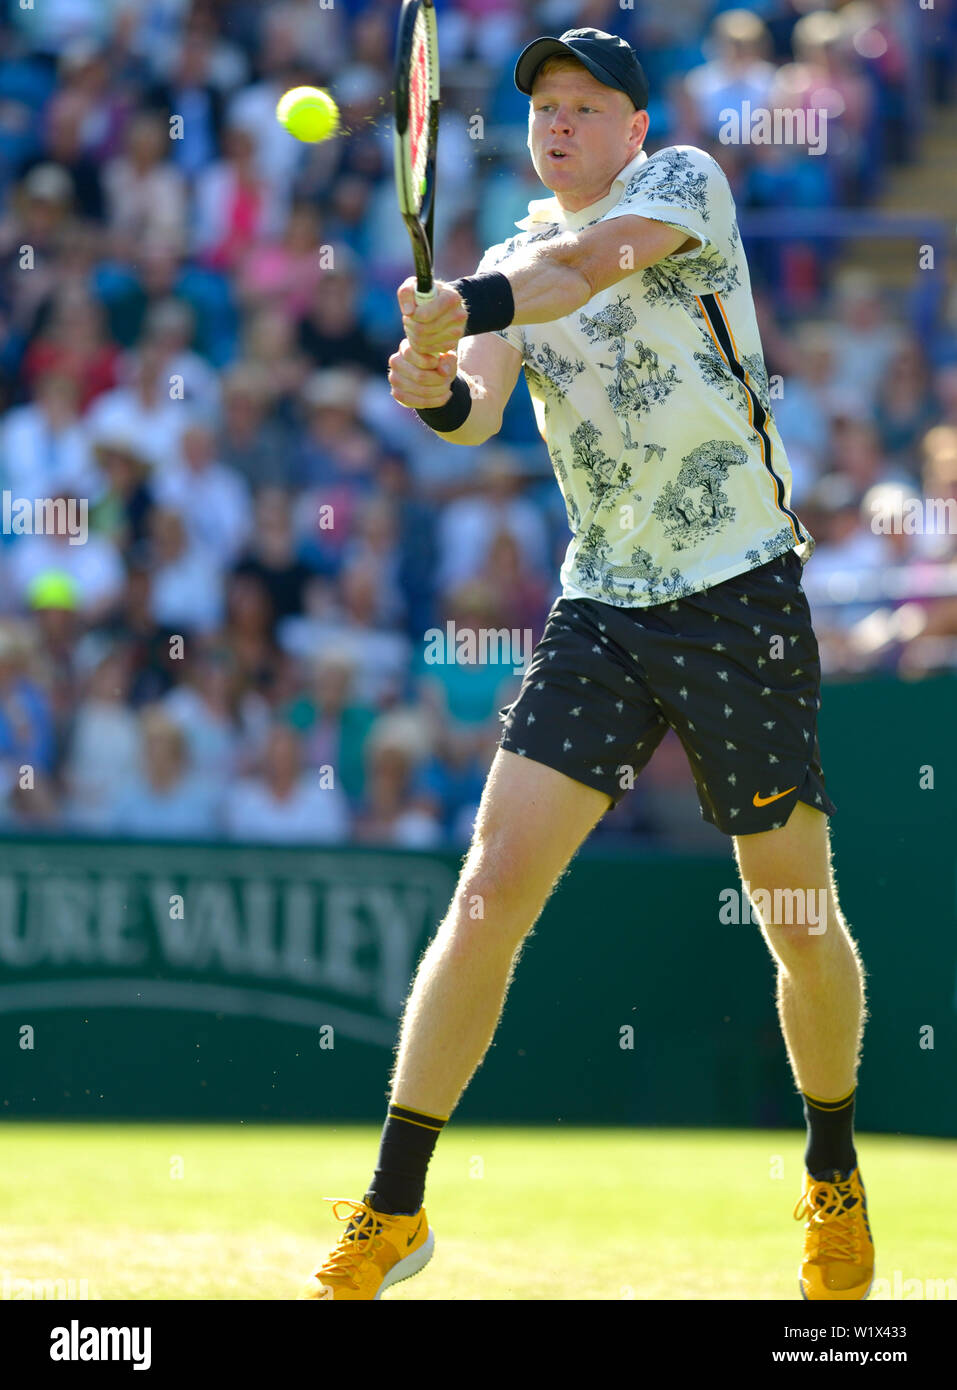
(354, 1245)
(836, 1229)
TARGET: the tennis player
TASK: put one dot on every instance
(626, 300)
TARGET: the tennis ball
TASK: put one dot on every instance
(308, 113)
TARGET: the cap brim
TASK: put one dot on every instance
(532, 58)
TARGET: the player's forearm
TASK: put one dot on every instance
(550, 280)
(546, 287)
(529, 288)
(484, 418)
(546, 281)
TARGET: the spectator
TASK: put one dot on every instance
(372, 39)
(847, 547)
(39, 219)
(417, 545)
(334, 725)
(466, 682)
(807, 405)
(905, 405)
(269, 346)
(938, 454)
(336, 465)
(212, 500)
(461, 251)
(167, 799)
(27, 739)
(170, 329)
(880, 36)
(125, 494)
(865, 342)
(826, 78)
(71, 340)
(518, 591)
(235, 204)
(467, 526)
(168, 34)
(856, 449)
(186, 583)
(45, 446)
(224, 725)
(453, 777)
(63, 145)
(153, 669)
(297, 27)
(485, 29)
(145, 192)
(55, 29)
(250, 633)
(286, 271)
(100, 109)
(737, 72)
(104, 746)
(272, 557)
(376, 543)
(381, 656)
(128, 291)
(286, 804)
(945, 392)
(192, 94)
(350, 220)
(392, 814)
(332, 335)
(252, 442)
(144, 408)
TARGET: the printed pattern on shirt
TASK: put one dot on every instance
(654, 402)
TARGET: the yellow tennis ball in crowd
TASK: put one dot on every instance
(309, 114)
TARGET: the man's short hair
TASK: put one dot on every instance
(560, 62)
(564, 62)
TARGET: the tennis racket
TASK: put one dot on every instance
(417, 132)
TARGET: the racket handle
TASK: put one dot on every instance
(424, 297)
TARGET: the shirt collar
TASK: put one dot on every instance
(551, 211)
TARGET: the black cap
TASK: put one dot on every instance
(607, 57)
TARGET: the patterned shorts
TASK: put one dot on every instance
(734, 671)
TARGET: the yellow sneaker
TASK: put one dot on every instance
(838, 1258)
(374, 1252)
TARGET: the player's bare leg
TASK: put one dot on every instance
(821, 1004)
(820, 978)
(530, 823)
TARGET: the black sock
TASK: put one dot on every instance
(408, 1139)
(830, 1137)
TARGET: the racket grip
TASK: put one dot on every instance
(424, 297)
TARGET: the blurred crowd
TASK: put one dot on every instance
(196, 314)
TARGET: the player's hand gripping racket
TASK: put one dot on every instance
(417, 132)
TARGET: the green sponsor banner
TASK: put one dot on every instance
(194, 981)
(177, 980)
(292, 936)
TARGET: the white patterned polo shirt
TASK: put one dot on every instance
(653, 399)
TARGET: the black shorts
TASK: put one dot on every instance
(734, 671)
